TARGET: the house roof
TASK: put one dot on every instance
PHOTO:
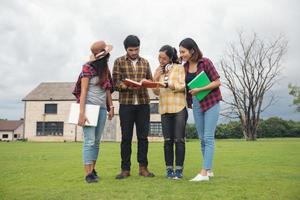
(52, 91)
(62, 91)
(10, 125)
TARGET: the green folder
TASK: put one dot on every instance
(200, 80)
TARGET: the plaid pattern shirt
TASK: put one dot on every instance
(89, 72)
(173, 100)
(215, 95)
(123, 68)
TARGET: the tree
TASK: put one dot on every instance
(251, 68)
(295, 92)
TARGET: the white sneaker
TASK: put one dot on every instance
(210, 174)
(199, 177)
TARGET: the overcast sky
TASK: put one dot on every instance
(47, 41)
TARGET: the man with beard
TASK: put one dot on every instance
(134, 105)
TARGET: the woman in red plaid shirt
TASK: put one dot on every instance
(94, 86)
(206, 111)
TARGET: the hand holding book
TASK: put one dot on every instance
(83, 120)
(89, 118)
(143, 83)
(194, 91)
(198, 84)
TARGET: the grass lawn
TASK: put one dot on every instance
(265, 169)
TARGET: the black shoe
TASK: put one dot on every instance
(90, 178)
(95, 174)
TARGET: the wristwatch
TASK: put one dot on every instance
(166, 78)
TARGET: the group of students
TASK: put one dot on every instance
(95, 85)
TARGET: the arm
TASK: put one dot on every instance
(110, 104)
(156, 78)
(84, 88)
(178, 85)
(213, 76)
(211, 86)
(157, 74)
(117, 77)
(149, 73)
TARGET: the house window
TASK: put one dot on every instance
(5, 136)
(50, 108)
(154, 108)
(49, 128)
(155, 129)
(15, 135)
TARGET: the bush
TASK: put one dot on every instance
(277, 127)
(232, 129)
(191, 132)
(272, 127)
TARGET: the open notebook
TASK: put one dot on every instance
(91, 112)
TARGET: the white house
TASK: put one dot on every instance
(11, 130)
(47, 109)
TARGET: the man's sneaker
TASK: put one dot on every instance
(199, 177)
(210, 174)
(170, 173)
(178, 174)
(90, 178)
(95, 174)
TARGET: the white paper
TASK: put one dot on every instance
(91, 112)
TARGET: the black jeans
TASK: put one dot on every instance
(140, 116)
(173, 127)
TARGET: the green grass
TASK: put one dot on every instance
(265, 169)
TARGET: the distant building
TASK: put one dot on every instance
(47, 109)
(11, 130)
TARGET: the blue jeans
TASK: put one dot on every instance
(206, 123)
(92, 136)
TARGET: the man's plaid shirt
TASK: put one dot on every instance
(123, 68)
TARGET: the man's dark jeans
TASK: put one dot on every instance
(140, 116)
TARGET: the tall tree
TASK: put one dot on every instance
(251, 67)
(295, 92)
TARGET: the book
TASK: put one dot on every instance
(200, 80)
(143, 83)
(91, 113)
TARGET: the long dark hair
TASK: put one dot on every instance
(192, 46)
(101, 68)
(170, 52)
